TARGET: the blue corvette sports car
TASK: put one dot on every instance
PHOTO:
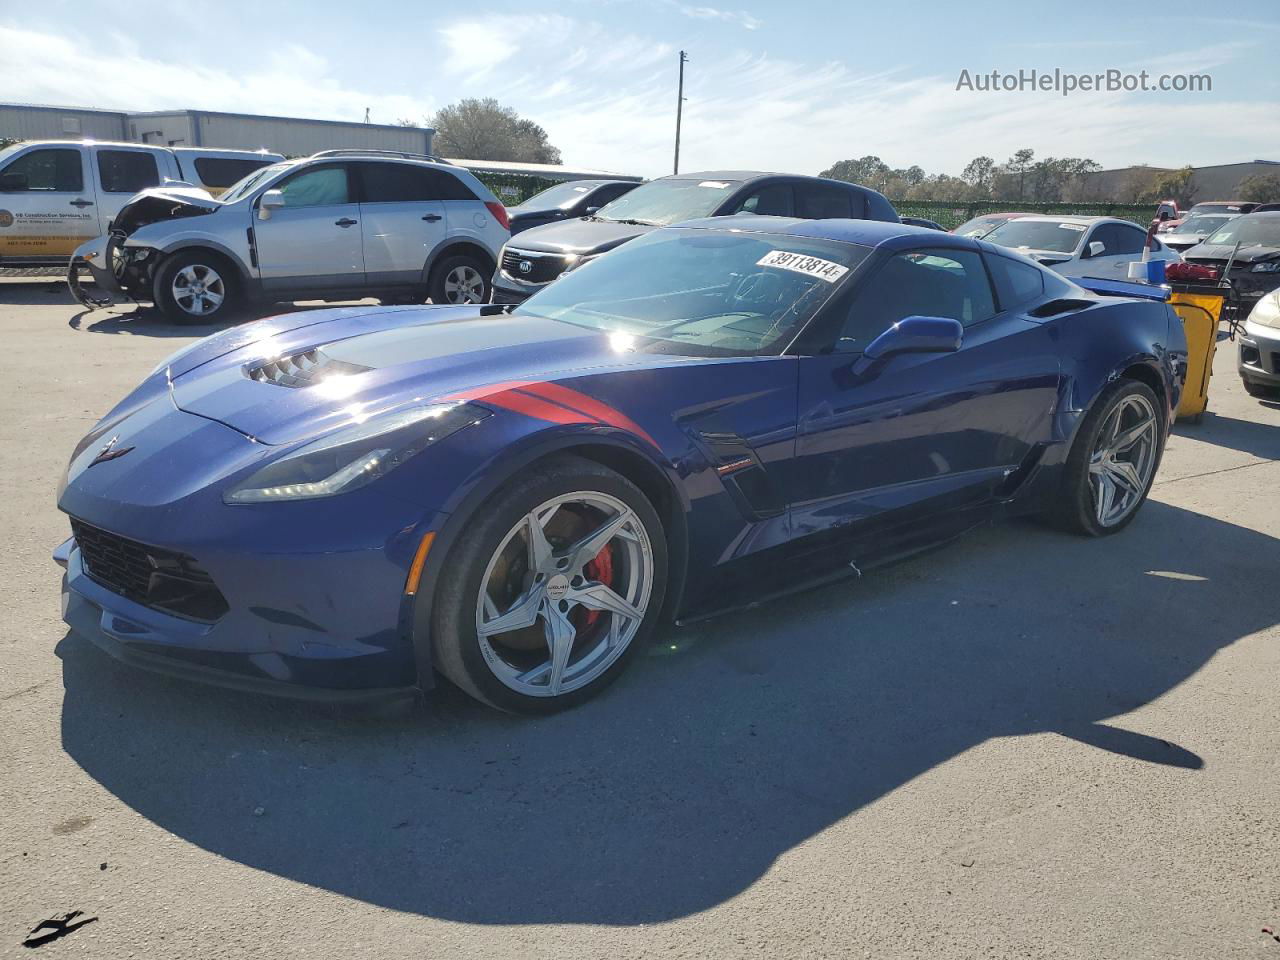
(346, 503)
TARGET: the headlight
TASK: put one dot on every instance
(1267, 312)
(1272, 267)
(354, 456)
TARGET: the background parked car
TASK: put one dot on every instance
(543, 253)
(1100, 247)
(338, 225)
(979, 227)
(1194, 229)
(56, 194)
(1259, 346)
(566, 201)
(1223, 206)
(1255, 265)
(922, 222)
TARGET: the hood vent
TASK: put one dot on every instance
(304, 369)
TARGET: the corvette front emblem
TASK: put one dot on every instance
(108, 452)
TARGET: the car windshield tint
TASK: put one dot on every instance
(243, 186)
(1202, 223)
(553, 198)
(701, 292)
(1051, 235)
(1264, 230)
(669, 200)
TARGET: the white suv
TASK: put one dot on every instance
(339, 225)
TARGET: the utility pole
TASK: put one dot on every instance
(679, 110)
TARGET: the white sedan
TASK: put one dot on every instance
(1080, 246)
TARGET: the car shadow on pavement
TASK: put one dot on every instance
(1246, 436)
(724, 748)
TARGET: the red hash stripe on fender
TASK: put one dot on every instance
(483, 393)
(588, 406)
(539, 409)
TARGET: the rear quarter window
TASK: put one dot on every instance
(1017, 284)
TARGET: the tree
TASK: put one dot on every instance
(978, 173)
(1261, 188)
(1177, 185)
(483, 129)
(1018, 165)
(869, 171)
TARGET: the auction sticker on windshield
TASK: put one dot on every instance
(801, 263)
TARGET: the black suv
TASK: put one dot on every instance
(541, 254)
(566, 201)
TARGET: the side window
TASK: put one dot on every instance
(127, 171)
(321, 186)
(224, 171)
(1016, 283)
(1105, 235)
(771, 201)
(610, 192)
(930, 283)
(1129, 240)
(57, 170)
(817, 201)
(406, 183)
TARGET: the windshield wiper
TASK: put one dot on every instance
(630, 222)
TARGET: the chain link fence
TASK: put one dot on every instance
(951, 214)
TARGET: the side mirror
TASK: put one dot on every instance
(917, 334)
(13, 182)
(271, 200)
(1096, 249)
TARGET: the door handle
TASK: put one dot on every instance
(82, 203)
(432, 217)
(346, 222)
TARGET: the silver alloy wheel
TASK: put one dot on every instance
(463, 284)
(1123, 460)
(198, 289)
(584, 624)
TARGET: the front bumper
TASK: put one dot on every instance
(505, 289)
(329, 626)
(98, 257)
(1259, 354)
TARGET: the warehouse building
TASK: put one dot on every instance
(292, 136)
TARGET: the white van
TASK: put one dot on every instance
(56, 194)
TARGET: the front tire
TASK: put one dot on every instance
(195, 287)
(1113, 461)
(459, 279)
(558, 583)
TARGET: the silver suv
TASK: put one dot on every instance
(339, 225)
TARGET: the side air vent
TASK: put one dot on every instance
(1056, 308)
(302, 369)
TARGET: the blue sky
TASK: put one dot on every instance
(792, 86)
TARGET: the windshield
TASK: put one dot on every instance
(553, 198)
(701, 292)
(1264, 230)
(669, 200)
(1217, 208)
(1054, 235)
(978, 226)
(251, 180)
(1203, 223)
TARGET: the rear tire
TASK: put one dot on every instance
(574, 618)
(1112, 463)
(195, 286)
(459, 279)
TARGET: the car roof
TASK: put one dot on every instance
(867, 233)
(746, 176)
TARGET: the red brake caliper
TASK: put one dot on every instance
(600, 569)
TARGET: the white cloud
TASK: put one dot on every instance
(477, 47)
(739, 17)
(293, 81)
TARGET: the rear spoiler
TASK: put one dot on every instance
(1123, 288)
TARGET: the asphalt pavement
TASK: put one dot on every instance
(1023, 745)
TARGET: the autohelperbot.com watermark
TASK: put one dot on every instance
(1065, 82)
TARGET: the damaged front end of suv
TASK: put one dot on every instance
(119, 271)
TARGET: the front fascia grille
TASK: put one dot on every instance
(543, 267)
(152, 576)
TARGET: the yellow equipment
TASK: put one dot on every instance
(1200, 307)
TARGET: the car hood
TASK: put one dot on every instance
(581, 236)
(163, 203)
(283, 383)
(1222, 251)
